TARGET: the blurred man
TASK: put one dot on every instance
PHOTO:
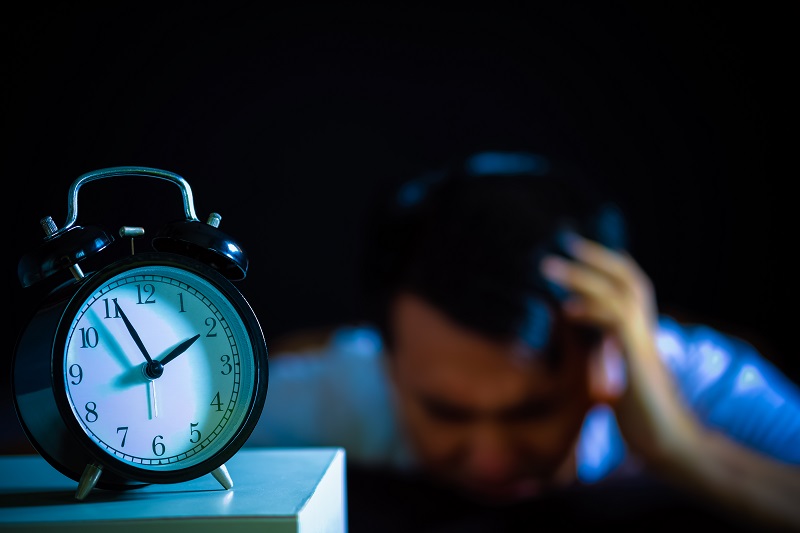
(514, 349)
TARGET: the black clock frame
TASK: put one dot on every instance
(40, 398)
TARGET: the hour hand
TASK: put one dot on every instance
(133, 333)
(179, 349)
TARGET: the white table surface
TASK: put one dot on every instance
(286, 490)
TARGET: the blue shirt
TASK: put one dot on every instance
(340, 396)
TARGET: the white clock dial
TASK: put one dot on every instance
(177, 416)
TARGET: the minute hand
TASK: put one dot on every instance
(179, 349)
(133, 333)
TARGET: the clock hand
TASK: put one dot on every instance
(154, 369)
(151, 369)
(133, 333)
(151, 389)
(179, 349)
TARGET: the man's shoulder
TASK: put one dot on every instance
(730, 386)
(342, 354)
(686, 345)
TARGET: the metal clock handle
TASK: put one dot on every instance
(72, 200)
(63, 248)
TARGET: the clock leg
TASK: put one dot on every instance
(88, 480)
(221, 475)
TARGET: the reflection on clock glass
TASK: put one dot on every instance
(158, 368)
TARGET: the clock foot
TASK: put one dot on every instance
(88, 480)
(221, 475)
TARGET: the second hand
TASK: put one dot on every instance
(151, 386)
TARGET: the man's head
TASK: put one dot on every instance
(491, 383)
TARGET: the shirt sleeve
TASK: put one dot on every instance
(733, 388)
(336, 396)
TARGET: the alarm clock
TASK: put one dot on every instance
(152, 368)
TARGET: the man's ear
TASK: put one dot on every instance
(607, 372)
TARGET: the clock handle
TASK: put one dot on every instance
(72, 195)
(191, 237)
(64, 247)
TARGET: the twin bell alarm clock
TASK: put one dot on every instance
(150, 369)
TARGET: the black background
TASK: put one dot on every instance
(285, 120)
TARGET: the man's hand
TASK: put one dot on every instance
(608, 290)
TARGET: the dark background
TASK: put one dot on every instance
(286, 121)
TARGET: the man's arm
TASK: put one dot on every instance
(609, 290)
(707, 462)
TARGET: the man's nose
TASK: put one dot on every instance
(490, 454)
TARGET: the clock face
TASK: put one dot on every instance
(159, 369)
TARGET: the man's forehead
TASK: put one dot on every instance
(450, 374)
(427, 335)
(433, 353)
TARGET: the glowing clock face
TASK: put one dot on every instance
(159, 369)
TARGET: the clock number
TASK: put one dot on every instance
(124, 435)
(158, 447)
(91, 414)
(212, 324)
(192, 425)
(226, 365)
(180, 297)
(108, 308)
(149, 291)
(216, 402)
(89, 337)
(76, 372)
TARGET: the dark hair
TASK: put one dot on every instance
(468, 240)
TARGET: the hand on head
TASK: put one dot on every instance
(609, 290)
